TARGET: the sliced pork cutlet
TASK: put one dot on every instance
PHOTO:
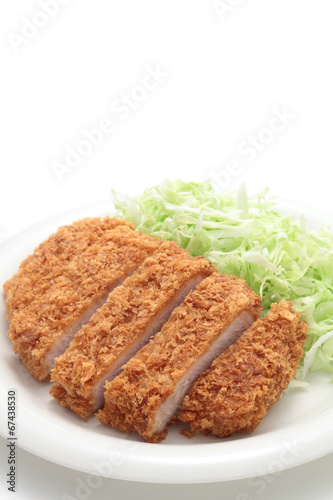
(133, 313)
(38, 271)
(44, 329)
(249, 378)
(146, 395)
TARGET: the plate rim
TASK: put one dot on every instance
(173, 469)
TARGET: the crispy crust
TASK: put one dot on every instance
(149, 378)
(248, 378)
(50, 258)
(121, 321)
(84, 283)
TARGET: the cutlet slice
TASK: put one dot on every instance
(38, 271)
(133, 313)
(44, 329)
(249, 378)
(146, 395)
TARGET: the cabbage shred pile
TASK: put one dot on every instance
(246, 237)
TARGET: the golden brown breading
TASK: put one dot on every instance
(132, 313)
(134, 398)
(59, 313)
(37, 272)
(248, 378)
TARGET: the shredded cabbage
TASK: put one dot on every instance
(248, 238)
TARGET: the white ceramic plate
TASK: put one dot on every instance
(297, 430)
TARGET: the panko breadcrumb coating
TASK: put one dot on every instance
(133, 313)
(145, 396)
(38, 271)
(248, 378)
(44, 329)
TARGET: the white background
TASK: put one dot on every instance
(225, 75)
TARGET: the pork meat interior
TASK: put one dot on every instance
(147, 394)
(249, 378)
(44, 329)
(132, 314)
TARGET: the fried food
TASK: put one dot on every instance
(249, 378)
(44, 329)
(93, 294)
(146, 395)
(133, 313)
(38, 271)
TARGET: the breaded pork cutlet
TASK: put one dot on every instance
(133, 312)
(146, 395)
(38, 271)
(44, 329)
(248, 378)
